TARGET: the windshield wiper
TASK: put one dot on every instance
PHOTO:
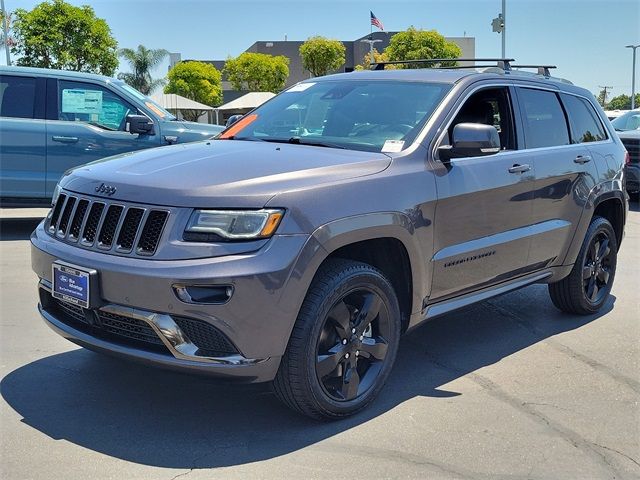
(246, 139)
(301, 141)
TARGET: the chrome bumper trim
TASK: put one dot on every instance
(170, 333)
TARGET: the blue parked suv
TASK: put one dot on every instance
(53, 120)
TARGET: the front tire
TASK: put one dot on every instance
(343, 344)
(587, 287)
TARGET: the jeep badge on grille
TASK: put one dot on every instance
(108, 190)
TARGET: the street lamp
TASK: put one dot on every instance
(371, 41)
(633, 76)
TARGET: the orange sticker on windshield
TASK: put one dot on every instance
(155, 109)
(238, 126)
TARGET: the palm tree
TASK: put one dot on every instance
(142, 61)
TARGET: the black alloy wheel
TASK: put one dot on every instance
(352, 345)
(586, 289)
(343, 344)
(596, 269)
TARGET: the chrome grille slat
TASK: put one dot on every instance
(129, 228)
(106, 226)
(67, 212)
(110, 225)
(78, 217)
(92, 225)
(55, 215)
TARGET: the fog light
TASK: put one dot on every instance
(204, 294)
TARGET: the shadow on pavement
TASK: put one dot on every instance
(159, 418)
(17, 228)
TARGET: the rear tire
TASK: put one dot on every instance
(587, 287)
(343, 344)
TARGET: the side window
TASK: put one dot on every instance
(491, 106)
(544, 121)
(17, 96)
(92, 104)
(585, 126)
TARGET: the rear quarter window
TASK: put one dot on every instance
(585, 124)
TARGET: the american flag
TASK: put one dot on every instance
(375, 22)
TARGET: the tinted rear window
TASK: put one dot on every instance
(544, 120)
(585, 126)
(17, 96)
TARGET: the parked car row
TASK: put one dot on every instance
(55, 120)
(628, 128)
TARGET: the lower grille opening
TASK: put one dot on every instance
(107, 326)
(124, 330)
(210, 341)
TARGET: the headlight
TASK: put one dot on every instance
(233, 224)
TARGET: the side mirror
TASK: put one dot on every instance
(471, 140)
(140, 124)
(233, 119)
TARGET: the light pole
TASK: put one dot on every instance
(371, 41)
(499, 25)
(5, 29)
(633, 76)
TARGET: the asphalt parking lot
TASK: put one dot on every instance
(509, 388)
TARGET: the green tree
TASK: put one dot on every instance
(414, 44)
(377, 57)
(602, 99)
(142, 61)
(257, 72)
(321, 55)
(58, 35)
(198, 81)
(623, 102)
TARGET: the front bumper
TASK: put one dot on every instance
(257, 319)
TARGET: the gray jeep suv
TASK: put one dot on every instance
(298, 245)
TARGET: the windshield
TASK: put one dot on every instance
(377, 116)
(153, 106)
(628, 121)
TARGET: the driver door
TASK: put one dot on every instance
(484, 208)
(86, 123)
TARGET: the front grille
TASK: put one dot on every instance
(633, 147)
(128, 327)
(107, 326)
(210, 341)
(105, 226)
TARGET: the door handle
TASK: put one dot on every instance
(582, 159)
(60, 138)
(519, 168)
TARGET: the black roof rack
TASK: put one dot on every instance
(542, 69)
(503, 63)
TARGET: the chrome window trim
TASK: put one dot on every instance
(507, 83)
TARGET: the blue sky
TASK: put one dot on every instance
(584, 38)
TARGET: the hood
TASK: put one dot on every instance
(220, 173)
(630, 134)
(190, 131)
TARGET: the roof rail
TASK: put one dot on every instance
(542, 69)
(503, 63)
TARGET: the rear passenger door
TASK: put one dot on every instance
(565, 172)
(22, 137)
(86, 123)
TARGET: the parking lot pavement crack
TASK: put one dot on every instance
(567, 434)
(618, 452)
(560, 347)
(182, 474)
(526, 408)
